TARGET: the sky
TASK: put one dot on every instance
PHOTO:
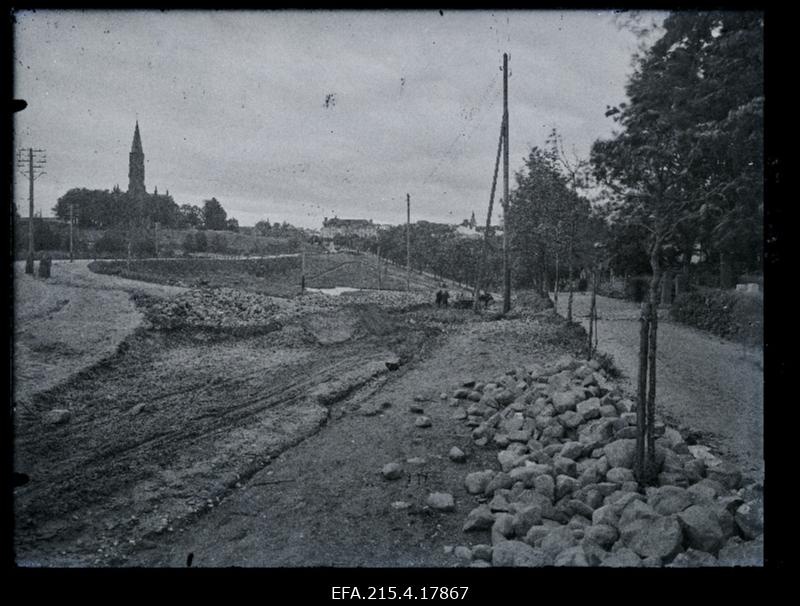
(300, 115)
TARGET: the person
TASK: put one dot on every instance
(438, 298)
(445, 297)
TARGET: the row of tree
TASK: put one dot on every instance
(104, 209)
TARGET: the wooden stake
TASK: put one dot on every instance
(506, 264)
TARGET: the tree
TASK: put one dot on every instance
(232, 224)
(191, 216)
(214, 216)
(666, 171)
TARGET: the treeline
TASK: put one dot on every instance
(104, 209)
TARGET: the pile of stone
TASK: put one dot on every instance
(212, 308)
(566, 495)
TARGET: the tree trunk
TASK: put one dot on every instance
(569, 299)
(555, 288)
(725, 277)
(655, 284)
(641, 405)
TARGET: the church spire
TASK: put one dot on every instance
(136, 165)
(136, 147)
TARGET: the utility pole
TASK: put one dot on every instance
(71, 223)
(303, 269)
(32, 168)
(408, 242)
(380, 282)
(506, 264)
(155, 236)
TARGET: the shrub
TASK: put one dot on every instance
(728, 314)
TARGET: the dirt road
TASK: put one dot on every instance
(69, 321)
(704, 383)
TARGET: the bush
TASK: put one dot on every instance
(143, 247)
(728, 314)
(110, 243)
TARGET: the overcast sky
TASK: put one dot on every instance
(233, 104)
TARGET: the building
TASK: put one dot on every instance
(136, 166)
(361, 228)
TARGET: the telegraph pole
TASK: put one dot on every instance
(380, 285)
(506, 264)
(32, 168)
(71, 223)
(408, 241)
(156, 238)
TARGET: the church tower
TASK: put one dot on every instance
(136, 166)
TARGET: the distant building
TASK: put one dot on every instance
(362, 228)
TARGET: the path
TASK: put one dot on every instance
(69, 321)
(704, 382)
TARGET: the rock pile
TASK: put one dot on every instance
(212, 308)
(565, 493)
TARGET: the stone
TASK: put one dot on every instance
(501, 440)
(565, 466)
(480, 564)
(749, 518)
(57, 416)
(516, 554)
(593, 552)
(423, 421)
(459, 414)
(505, 397)
(622, 558)
(621, 453)
(565, 400)
(578, 507)
(620, 475)
(602, 534)
(545, 485)
(557, 540)
(570, 419)
(441, 501)
(464, 554)
(659, 537)
(695, 470)
(509, 460)
(536, 534)
(565, 485)
(572, 556)
(499, 503)
(673, 478)
(474, 396)
(416, 461)
(636, 510)
(742, 553)
(606, 515)
(572, 450)
(401, 505)
(625, 405)
(667, 500)
(585, 407)
(726, 474)
(692, 558)
(629, 418)
(503, 527)
(139, 408)
(701, 528)
(477, 481)
(416, 408)
(525, 517)
(462, 394)
(596, 434)
(499, 481)
(443, 395)
(482, 552)
(629, 432)
(457, 455)
(392, 471)
(520, 435)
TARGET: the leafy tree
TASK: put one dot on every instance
(214, 216)
(669, 173)
(232, 225)
(191, 216)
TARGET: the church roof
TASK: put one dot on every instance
(137, 141)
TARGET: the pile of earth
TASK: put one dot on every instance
(566, 494)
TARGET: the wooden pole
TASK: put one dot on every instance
(408, 241)
(71, 223)
(303, 270)
(485, 249)
(29, 261)
(156, 237)
(380, 284)
(506, 264)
